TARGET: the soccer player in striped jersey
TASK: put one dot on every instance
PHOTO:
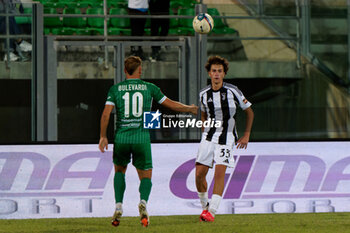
(132, 98)
(218, 102)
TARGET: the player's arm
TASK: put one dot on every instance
(103, 127)
(243, 141)
(180, 107)
(204, 117)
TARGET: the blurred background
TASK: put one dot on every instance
(290, 58)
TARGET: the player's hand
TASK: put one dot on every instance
(103, 144)
(242, 143)
(193, 109)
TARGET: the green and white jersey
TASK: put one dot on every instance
(131, 99)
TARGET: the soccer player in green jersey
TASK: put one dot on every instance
(132, 98)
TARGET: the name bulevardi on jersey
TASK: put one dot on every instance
(132, 87)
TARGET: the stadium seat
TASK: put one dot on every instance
(96, 25)
(217, 21)
(51, 21)
(117, 3)
(24, 19)
(93, 3)
(95, 22)
(113, 31)
(62, 31)
(174, 25)
(67, 3)
(73, 22)
(58, 3)
(125, 31)
(47, 31)
(119, 26)
(186, 24)
(119, 22)
(219, 26)
(174, 4)
(173, 22)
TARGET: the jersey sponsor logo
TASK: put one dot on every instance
(151, 120)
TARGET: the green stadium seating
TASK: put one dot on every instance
(119, 22)
(62, 31)
(219, 26)
(93, 3)
(125, 31)
(47, 31)
(113, 31)
(186, 24)
(173, 22)
(52, 4)
(73, 22)
(51, 21)
(117, 3)
(95, 22)
(217, 21)
(69, 31)
(174, 4)
(24, 19)
(83, 31)
(119, 26)
(66, 3)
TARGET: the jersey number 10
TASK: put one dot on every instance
(136, 103)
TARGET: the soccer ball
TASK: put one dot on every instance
(203, 23)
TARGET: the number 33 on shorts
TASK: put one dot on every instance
(224, 155)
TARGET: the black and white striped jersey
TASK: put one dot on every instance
(221, 106)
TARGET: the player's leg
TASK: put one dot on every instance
(201, 183)
(145, 190)
(219, 185)
(223, 157)
(119, 189)
(142, 160)
(204, 161)
(121, 157)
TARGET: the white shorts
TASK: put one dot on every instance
(210, 152)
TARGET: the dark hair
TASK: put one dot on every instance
(217, 60)
(131, 63)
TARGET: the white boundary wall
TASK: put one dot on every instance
(56, 181)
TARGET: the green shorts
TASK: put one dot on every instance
(140, 153)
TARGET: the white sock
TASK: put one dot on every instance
(119, 206)
(214, 203)
(144, 202)
(203, 197)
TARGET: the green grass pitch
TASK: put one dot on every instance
(251, 223)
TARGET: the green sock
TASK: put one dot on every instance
(119, 186)
(145, 188)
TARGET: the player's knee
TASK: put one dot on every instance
(219, 176)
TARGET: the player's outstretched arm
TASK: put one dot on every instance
(242, 143)
(103, 144)
(180, 107)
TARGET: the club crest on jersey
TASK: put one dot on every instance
(151, 120)
(223, 96)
